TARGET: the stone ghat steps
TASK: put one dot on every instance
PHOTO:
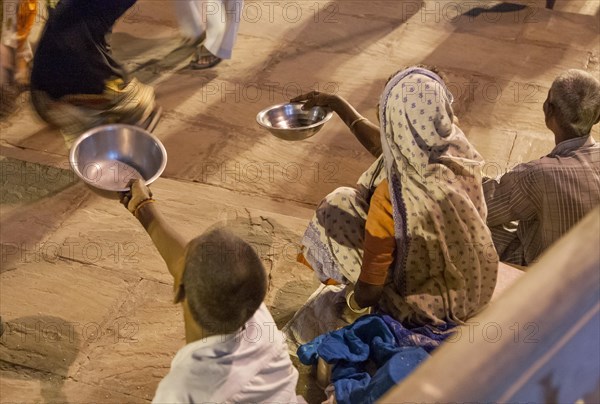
(84, 293)
(209, 125)
(86, 298)
(584, 7)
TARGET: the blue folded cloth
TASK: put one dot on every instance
(377, 340)
(362, 388)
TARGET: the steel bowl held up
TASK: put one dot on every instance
(108, 157)
(290, 122)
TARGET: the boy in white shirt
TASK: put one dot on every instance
(234, 351)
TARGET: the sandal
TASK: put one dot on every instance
(204, 59)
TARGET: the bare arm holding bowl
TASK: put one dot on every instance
(365, 131)
(170, 244)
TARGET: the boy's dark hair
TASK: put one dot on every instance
(224, 281)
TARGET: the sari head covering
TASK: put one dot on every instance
(446, 265)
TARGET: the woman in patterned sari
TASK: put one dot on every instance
(411, 238)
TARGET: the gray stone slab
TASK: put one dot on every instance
(494, 145)
(19, 385)
(577, 31)
(53, 310)
(134, 360)
(103, 234)
(496, 20)
(36, 200)
(497, 103)
(23, 128)
(578, 6)
(256, 162)
(526, 62)
(339, 25)
(531, 146)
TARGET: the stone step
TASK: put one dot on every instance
(98, 293)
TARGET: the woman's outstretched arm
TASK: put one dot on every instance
(365, 131)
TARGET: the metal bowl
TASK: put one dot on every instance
(290, 122)
(108, 157)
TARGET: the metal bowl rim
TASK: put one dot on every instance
(328, 115)
(93, 131)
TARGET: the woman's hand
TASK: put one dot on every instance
(317, 99)
(366, 295)
(366, 132)
(351, 301)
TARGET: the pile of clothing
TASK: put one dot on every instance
(371, 355)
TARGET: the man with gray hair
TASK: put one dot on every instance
(234, 351)
(533, 205)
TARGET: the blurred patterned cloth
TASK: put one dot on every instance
(76, 83)
(17, 20)
(131, 103)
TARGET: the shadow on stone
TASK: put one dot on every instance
(24, 182)
(289, 298)
(42, 348)
(498, 8)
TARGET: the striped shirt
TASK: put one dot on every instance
(546, 196)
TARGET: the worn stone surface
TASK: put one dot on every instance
(148, 331)
(52, 308)
(85, 296)
(19, 385)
